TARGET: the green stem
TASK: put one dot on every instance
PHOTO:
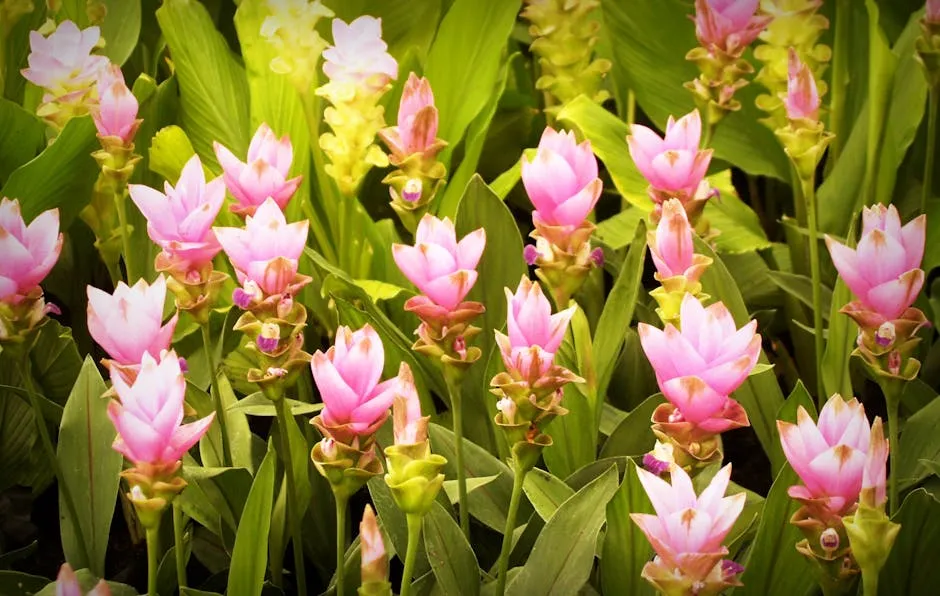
(283, 419)
(179, 527)
(631, 107)
(216, 398)
(840, 79)
(453, 388)
(870, 585)
(47, 446)
(893, 401)
(153, 559)
(518, 479)
(120, 203)
(809, 195)
(411, 555)
(930, 161)
(341, 506)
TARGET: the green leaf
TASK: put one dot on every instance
(257, 404)
(213, 89)
(60, 177)
(801, 288)
(633, 435)
(472, 35)
(55, 361)
(249, 562)
(15, 582)
(920, 441)
(380, 290)
(739, 228)
(90, 468)
(452, 560)
(120, 29)
(618, 231)
(626, 550)
(546, 492)
(21, 138)
(563, 556)
(18, 442)
(451, 489)
(911, 567)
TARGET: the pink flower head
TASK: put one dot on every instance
(443, 269)
(802, 99)
(66, 584)
(698, 367)
(347, 376)
(62, 63)
(673, 165)
(150, 411)
(561, 180)
(534, 333)
(359, 55)
(417, 122)
(686, 527)
(266, 251)
(129, 323)
(409, 426)
(883, 271)
(728, 25)
(671, 245)
(875, 474)
(263, 174)
(29, 252)
(116, 114)
(374, 563)
(180, 221)
(833, 456)
(933, 12)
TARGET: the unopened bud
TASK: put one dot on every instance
(269, 337)
(412, 190)
(597, 257)
(894, 362)
(460, 346)
(654, 465)
(530, 254)
(676, 416)
(328, 447)
(886, 334)
(285, 306)
(243, 297)
(508, 408)
(276, 371)
(829, 540)
(731, 569)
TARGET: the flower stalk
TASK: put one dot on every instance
(153, 559)
(215, 395)
(453, 378)
(179, 529)
(518, 480)
(809, 195)
(341, 503)
(284, 419)
(411, 554)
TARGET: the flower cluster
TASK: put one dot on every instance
(804, 137)
(291, 29)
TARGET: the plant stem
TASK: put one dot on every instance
(120, 203)
(283, 419)
(216, 398)
(631, 107)
(892, 392)
(840, 80)
(453, 388)
(414, 539)
(517, 482)
(930, 161)
(153, 559)
(178, 528)
(47, 446)
(809, 195)
(341, 504)
(870, 585)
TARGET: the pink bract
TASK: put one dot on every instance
(29, 251)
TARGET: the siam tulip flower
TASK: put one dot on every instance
(116, 113)
(674, 165)
(180, 221)
(29, 251)
(267, 250)
(671, 245)
(417, 123)
(728, 26)
(262, 175)
(933, 12)
(374, 565)
(66, 584)
(698, 367)
(149, 414)
(359, 55)
(409, 426)
(802, 100)
(62, 62)
(687, 532)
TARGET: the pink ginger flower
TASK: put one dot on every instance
(933, 12)
(443, 269)
(834, 456)
(180, 221)
(129, 323)
(561, 182)
(29, 252)
(875, 474)
(66, 584)
(534, 332)
(267, 250)
(116, 113)
(150, 411)
(262, 175)
(883, 271)
(62, 62)
(687, 530)
(728, 25)
(374, 564)
(417, 122)
(802, 100)
(409, 426)
(347, 375)
(359, 55)
(698, 367)
(671, 245)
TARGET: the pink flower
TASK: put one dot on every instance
(442, 268)
(561, 180)
(347, 376)
(62, 63)
(417, 121)
(802, 99)
(875, 474)
(673, 165)
(832, 456)
(128, 324)
(358, 54)
(883, 271)
(671, 245)
(66, 584)
(409, 426)
(728, 25)
(180, 221)
(534, 332)
(29, 252)
(374, 563)
(698, 367)
(150, 411)
(263, 175)
(267, 249)
(933, 12)
(688, 530)
(116, 114)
